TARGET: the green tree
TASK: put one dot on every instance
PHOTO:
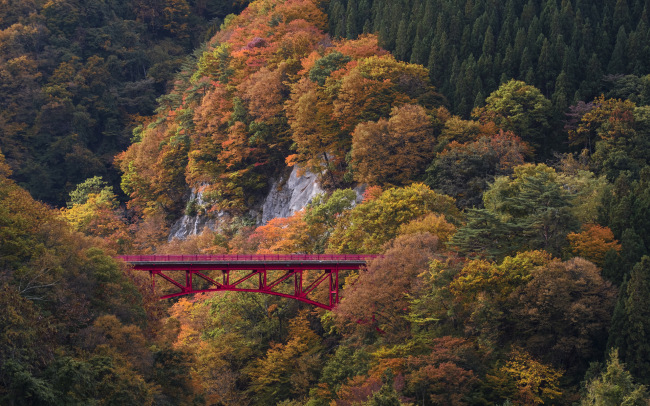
(624, 209)
(529, 210)
(614, 386)
(618, 61)
(25, 347)
(484, 234)
(631, 322)
(522, 109)
(368, 226)
(464, 171)
(326, 65)
(323, 212)
(94, 185)
(344, 364)
(351, 27)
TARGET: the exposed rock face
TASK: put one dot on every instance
(287, 196)
(360, 190)
(193, 223)
(190, 225)
(291, 195)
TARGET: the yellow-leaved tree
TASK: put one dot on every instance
(288, 369)
(93, 210)
(525, 380)
(368, 226)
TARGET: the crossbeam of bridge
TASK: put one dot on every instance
(269, 274)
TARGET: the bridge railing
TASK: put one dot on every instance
(256, 257)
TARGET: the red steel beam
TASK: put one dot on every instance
(292, 265)
(340, 258)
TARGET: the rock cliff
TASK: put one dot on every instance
(287, 195)
(290, 195)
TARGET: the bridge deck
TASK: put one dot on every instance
(266, 261)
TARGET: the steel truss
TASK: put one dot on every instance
(268, 274)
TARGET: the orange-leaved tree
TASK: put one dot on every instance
(393, 151)
(282, 235)
(442, 375)
(378, 297)
(593, 243)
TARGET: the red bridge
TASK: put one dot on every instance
(312, 279)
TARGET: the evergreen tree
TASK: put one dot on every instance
(351, 16)
(631, 322)
(621, 17)
(532, 41)
(402, 41)
(617, 63)
(363, 15)
(508, 66)
(484, 234)
(544, 72)
(590, 86)
(337, 19)
(560, 98)
(615, 386)
(633, 249)
(418, 55)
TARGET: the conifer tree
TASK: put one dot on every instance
(351, 29)
(621, 17)
(337, 19)
(560, 97)
(615, 386)
(532, 41)
(617, 63)
(401, 42)
(631, 322)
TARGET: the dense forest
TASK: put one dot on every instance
(504, 153)
(569, 50)
(76, 74)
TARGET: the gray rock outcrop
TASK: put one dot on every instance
(290, 195)
(194, 222)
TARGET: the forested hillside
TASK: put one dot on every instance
(75, 328)
(509, 202)
(75, 76)
(569, 50)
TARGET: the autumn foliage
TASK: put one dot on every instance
(511, 239)
(593, 243)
